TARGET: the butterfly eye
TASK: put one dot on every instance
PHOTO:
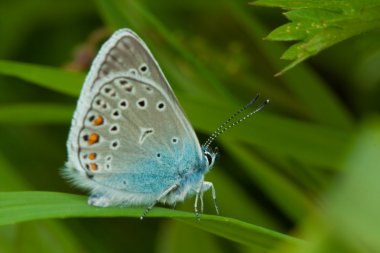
(209, 158)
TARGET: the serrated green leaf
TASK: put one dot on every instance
(288, 32)
(313, 15)
(18, 207)
(293, 52)
(333, 5)
(321, 24)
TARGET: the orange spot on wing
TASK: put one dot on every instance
(93, 166)
(92, 156)
(93, 138)
(98, 121)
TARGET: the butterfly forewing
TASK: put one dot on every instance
(126, 53)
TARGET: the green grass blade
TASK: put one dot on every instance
(354, 205)
(348, 219)
(244, 233)
(48, 77)
(176, 237)
(287, 196)
(34, 232)
(26, 206)
(36, 114)
(11, 179)
(231, 191)
(111, 13)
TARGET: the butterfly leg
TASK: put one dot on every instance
(162, 195)
(196, 203)
(201, 199)
(205, 187)
(98, 199)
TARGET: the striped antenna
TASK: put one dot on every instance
(224, 127)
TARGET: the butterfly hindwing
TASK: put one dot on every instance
(118, 138)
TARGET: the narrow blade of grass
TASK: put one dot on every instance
(354, 205)
(287, 196)
(10, 177)
(52, 78)
(26, 206)
(34, 232)
(36, 114)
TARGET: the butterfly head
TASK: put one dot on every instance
(209, 156)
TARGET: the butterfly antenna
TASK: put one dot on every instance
(224, 128)
(213, 135)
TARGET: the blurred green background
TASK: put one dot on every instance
(308, 165)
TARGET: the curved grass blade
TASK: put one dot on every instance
(52, 78)
(33, 232)
(36, 114)
(18, 207)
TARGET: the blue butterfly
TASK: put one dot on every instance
(130, 143)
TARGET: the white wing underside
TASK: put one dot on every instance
(126, 56)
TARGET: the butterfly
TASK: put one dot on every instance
(130, 143)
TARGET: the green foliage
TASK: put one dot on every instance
(318, 25)
(353, 204)
(58, 80)
(304, 167)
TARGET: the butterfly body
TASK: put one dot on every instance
(130, 142)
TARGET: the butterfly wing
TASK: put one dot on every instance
(129, 133)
